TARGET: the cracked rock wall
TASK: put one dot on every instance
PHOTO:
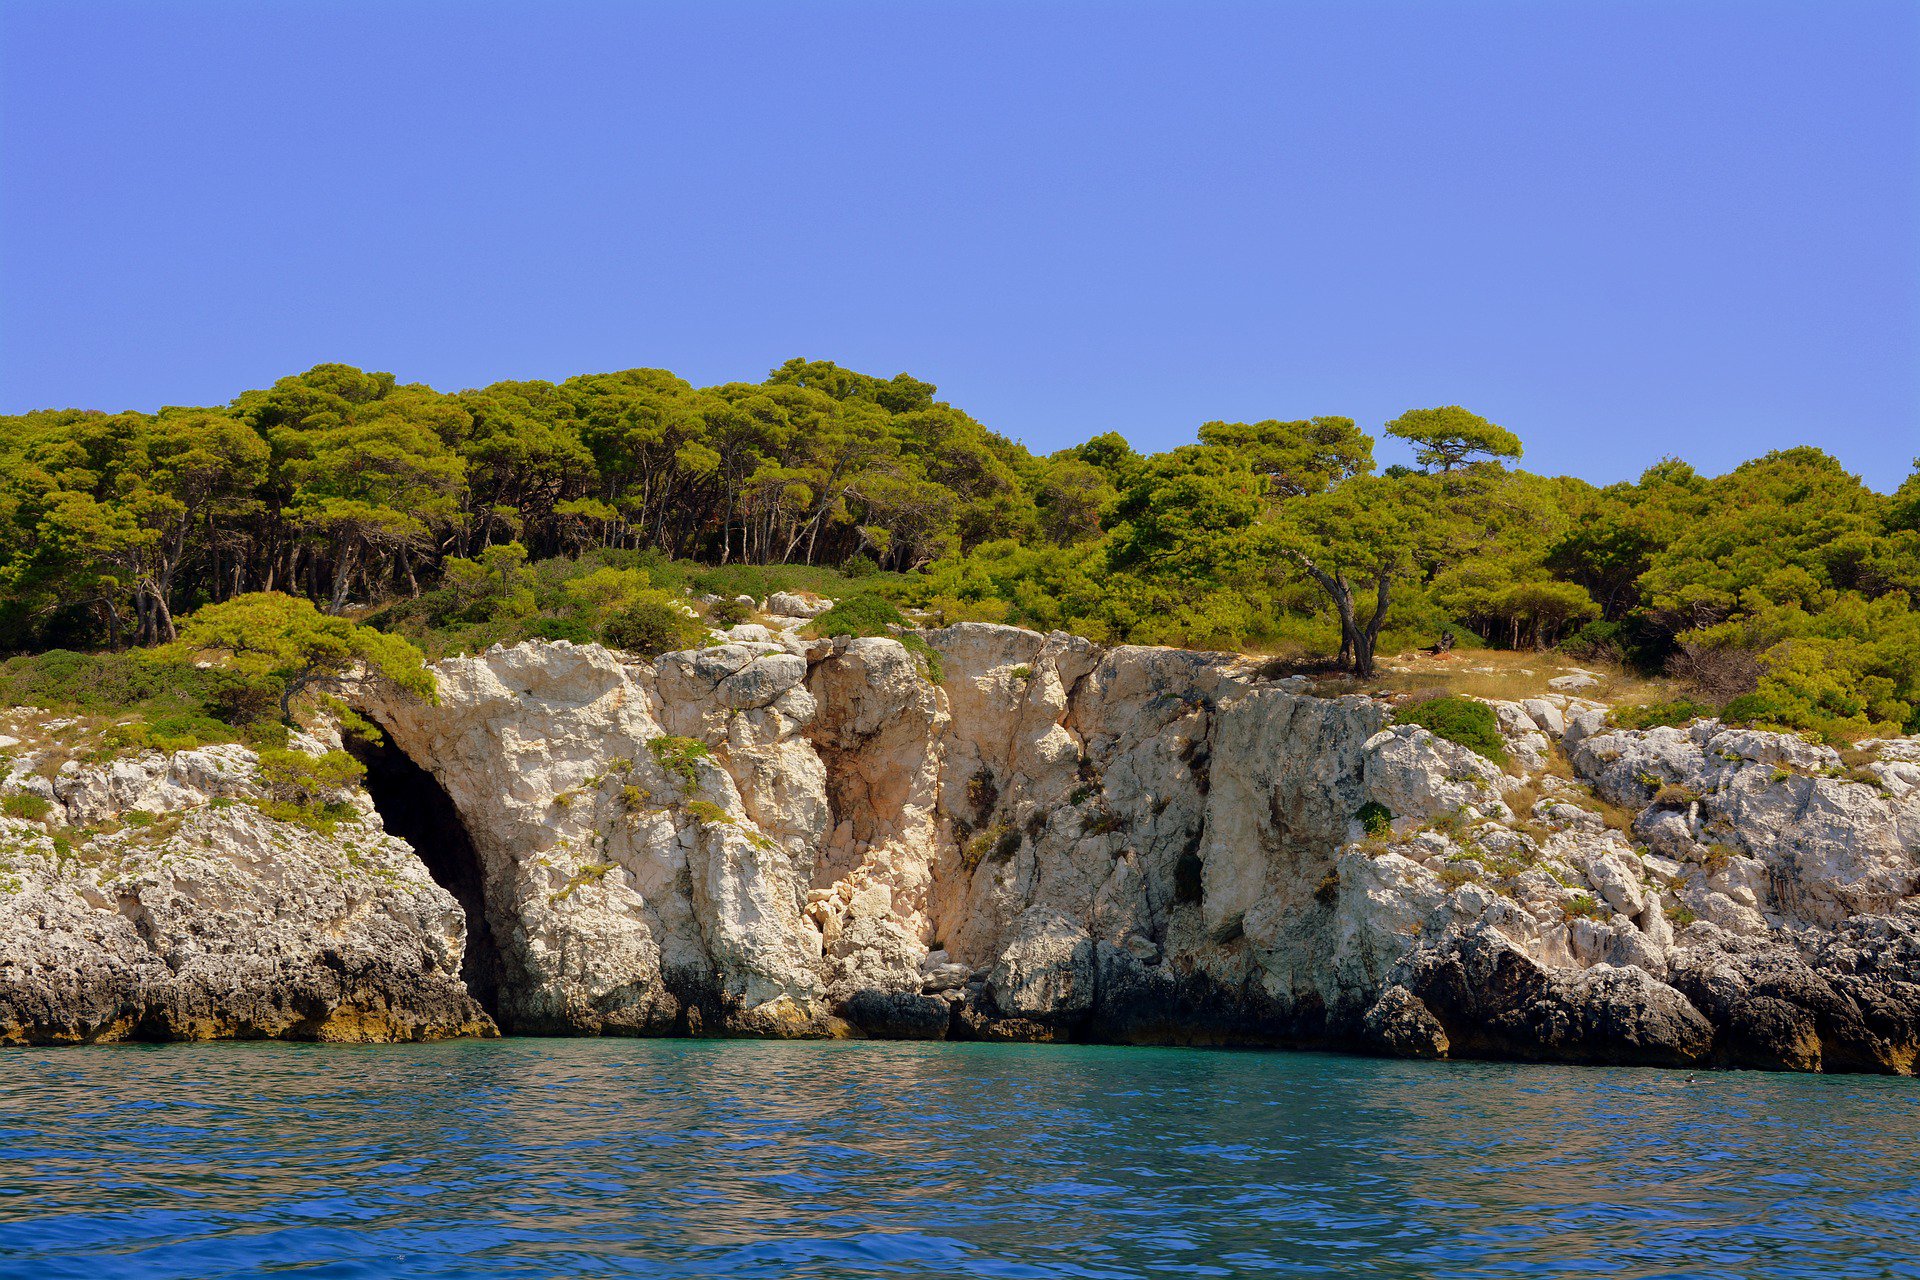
(1064, 841)
(1056, 840)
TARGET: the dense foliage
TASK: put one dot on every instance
(601, 506)
(161, 704)
(1466, 721)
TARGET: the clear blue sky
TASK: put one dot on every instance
(1622, 230)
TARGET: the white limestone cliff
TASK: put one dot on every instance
(1056, 840)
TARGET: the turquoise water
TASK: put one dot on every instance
(738, 1159)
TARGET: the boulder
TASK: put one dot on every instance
(898, 1015)
(788, 604)
(1399, 1024)
(1418, 777)
(1046, 970)
(1548, 718)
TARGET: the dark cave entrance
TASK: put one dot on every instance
(413, 806)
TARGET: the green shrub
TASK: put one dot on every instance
(729, 613)
(266, 733)
(300, 787)
(756, 580)
(1597, 641)
(1715, 857)
(562, 585)
(677, 756)
(314, 817)
(761, 580)
(1001, 841)
(1374, 818)
(21, 805)
(1582, 906)
(1633, 642)
(180, 705)
(183, 731)
(560, 629)
(869, 615)
(593, 873)
(1754, 709)
(621, 595)
(706, 813)
(1680, 711)
(862, 615)
(296, 778)
(651, 627)
(1470, 723)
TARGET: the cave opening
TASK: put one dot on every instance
(415, 807)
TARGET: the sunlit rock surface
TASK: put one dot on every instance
(1057, 840)
(158, 904)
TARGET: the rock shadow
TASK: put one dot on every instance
(413, 806)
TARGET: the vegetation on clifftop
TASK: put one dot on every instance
(595, 507)
(1470, 723)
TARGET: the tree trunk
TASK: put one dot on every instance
(1341, 593)
(1366, 637)
(342, 578)
(163, 619)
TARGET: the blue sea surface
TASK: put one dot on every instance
(743, 1159)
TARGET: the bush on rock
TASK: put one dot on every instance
(1470, 723)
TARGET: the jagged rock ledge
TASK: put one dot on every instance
(170, 909)
(777, 836)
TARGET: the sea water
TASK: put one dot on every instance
(740, 1159)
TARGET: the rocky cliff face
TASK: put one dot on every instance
(1057, 841)
(775, 836)
(155, 901)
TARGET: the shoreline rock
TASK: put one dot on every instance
(205, 918)
(784, 837)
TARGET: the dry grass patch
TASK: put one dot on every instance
(1507, 675)
(1617, 816)
(1522, 799)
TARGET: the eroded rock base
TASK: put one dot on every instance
(1051, 841)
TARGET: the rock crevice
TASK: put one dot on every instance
(776, 836)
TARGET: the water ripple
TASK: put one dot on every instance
(718, 1158)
